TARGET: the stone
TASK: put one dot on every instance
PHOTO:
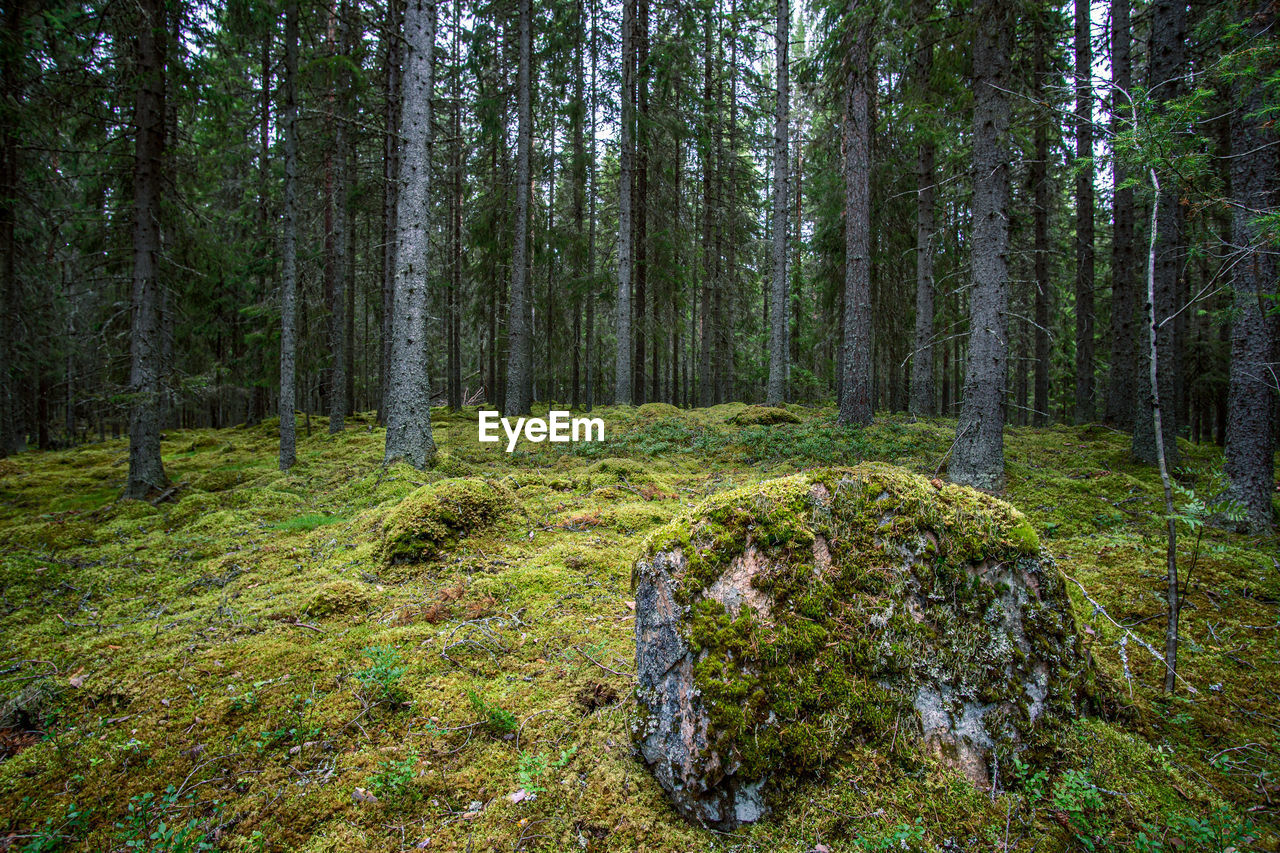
(780, 624)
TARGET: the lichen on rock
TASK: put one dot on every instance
(434, 517)
(785, 622)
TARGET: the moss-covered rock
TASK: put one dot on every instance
(657, 411)
(435, 516)
(786, 622)
(337, 597)
(764, 416)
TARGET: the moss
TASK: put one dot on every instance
(337, 597)
(764, 416)
(657, 411)
(434, 517)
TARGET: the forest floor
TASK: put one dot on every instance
(243, 664)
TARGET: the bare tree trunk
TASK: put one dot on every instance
(455, 220)
(709, 259)
(1121, 390)
(1040, 226)
(623, 395)
(146, 469)
(1085, 407)
(978, 457)
(1251, 424)
(577, 118)
(777, 389)
(409, 393)
(856, 402)
(640, 203)
(289, 245)
(390, 176)
(336, 246)
(519, 375)
(9, 174)
(1168, 47)
(922, 402)
(591, 373)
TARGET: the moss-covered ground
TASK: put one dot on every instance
(255, 666)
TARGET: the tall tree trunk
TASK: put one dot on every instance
(519, 341)
(409, 395)
(577, 120)
(922, 403)
(776, 391)
(390, 193)
(289, 245)
(640, 205)
(709, 259)
(455, 220)
(591, 371)
(336, 242)
(623, 394)
(856, 401)
(1122, 388)
(1166, 58)
(978, 456)
(728, 280)
(1040, 226)
(9, 72)
(1084, 213)
(1251, 424)
(146, 469)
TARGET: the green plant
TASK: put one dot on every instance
(1078, 798)
(1218, 832)
(904, 836)
(497, 720)
(147, 811)
(381, 678)
(529, 768)
(1032, 781)
(394, 779)
(59, 831)
(1195, 512)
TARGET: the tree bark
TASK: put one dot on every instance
(1039, 176)
(1121, 390)
(922, 401)
(1166, 59)
(390, 177)
(856, 401)
(9, 72)
(1085, 408)
(776, 391)
(1251, 422)
(409, 393)
(146, 469)
(289, 245)
(709, 258)
(978, 457)
(519, 341)
(623, 395)
(338, 249)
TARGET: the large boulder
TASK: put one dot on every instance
(784, 622)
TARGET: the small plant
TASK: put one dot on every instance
(381, 679)
(498, 721)
(1217, 832)
(394, 779)
(1033, 782)
(1077, 797)
(58, 832)
(904, 836)
(147, 811)
(530, 767)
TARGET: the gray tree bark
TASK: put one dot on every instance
(1040, 226)
(622, 370)
(390, 175)
(1251, 406)
(978, 456)
(856, 401)
(709, 258)
(519, 342)
(341, 216)
(776, 391)
(1084, 409)
(289, 245)
(1166, 59)
(1121, 389)
(9, 443)
(409, 390)
(146, 468)
(922, 398)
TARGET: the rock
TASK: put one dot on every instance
(436, 516)
(340, 596)
(782, 623)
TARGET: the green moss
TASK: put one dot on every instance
(764, 416)
(337, 597)
(431, 519)
(657, 411)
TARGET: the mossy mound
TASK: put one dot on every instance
(657, 411)
(337, 597)
(764, 416)
(218, 480)
(786, 622)
(435, 516)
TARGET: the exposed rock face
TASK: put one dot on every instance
(784, 622)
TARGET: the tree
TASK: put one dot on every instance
(1251, 424)
(519, 342)
(146, 469)
(855, 399)
(1084, 411)
(922, 398)
(409, 391)
(1124, 297)
(778, 294)
(623, 394)
(289, 245)
(978, 455)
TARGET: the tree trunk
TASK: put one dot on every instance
(777, 390)
(409, 395)
(9, 172)
(336, 249)
(289, 245)
(640, 205)
(1084, 213)
(922, 402)
(1122, 388)
(591, 372)
(709, 259)
(1168, 47)
(519, 341)
(856, 402)
(623, 368)
(1251, 424)
(1040, 194)
(455, 220)
(577, 116)
(390, 177)
(146, 469)
(978, 457)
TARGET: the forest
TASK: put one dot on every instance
(839, 279)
